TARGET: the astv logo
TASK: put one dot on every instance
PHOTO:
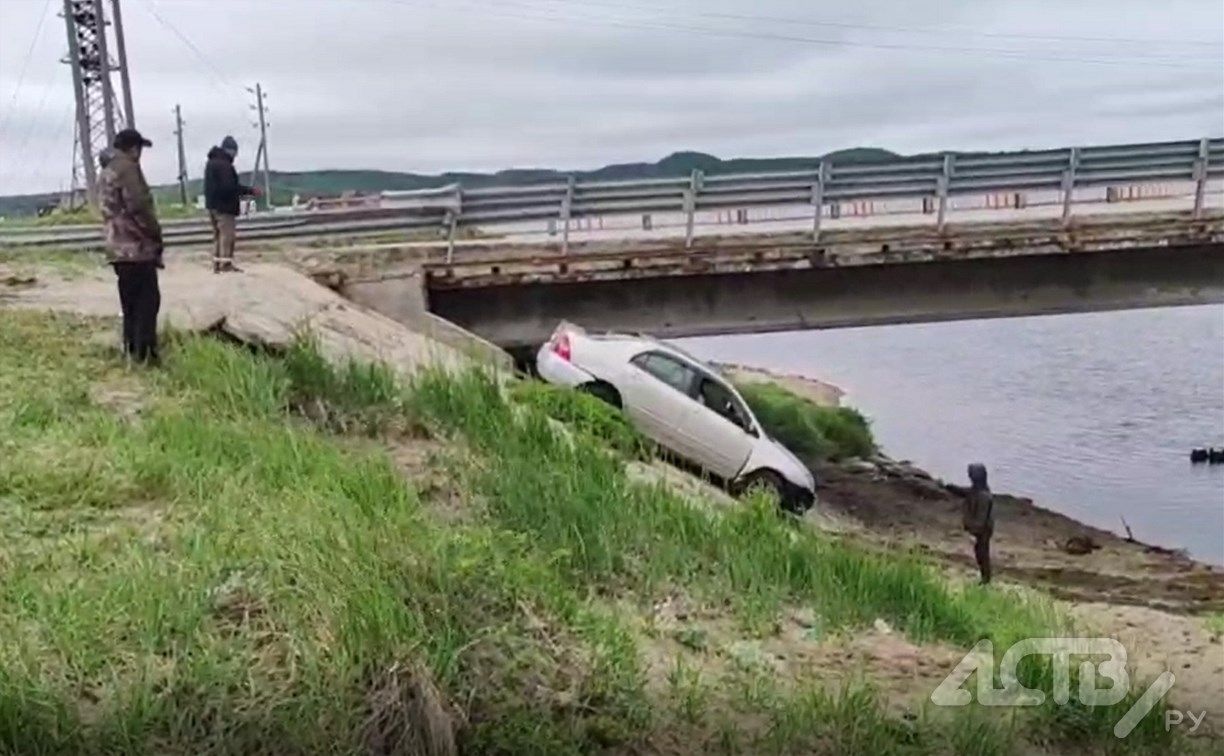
(981, 659)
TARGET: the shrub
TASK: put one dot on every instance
(809, 430)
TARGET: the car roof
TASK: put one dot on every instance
(646, 342)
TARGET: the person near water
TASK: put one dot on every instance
(133, 242)
(978, 517)
(223, 194)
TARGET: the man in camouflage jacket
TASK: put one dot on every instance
(133, 242)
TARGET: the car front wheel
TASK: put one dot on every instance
(772, 484)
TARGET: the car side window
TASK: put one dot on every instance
(717, 397)
(672, 372)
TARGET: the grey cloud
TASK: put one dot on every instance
(431, 85)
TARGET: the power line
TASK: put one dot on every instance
(38, 111)
(964, 31)
(220, 80)
(42, 18)
(494, 9)
(899, 29)
(65, 119)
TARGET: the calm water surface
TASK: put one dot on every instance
(1092, 415)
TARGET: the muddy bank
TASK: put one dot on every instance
(895, 504)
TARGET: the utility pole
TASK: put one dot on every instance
(182, 154)
(104, 67)
(88, 54)
(263, 143)
(82, 148)
(129, 115)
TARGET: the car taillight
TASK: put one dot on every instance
(561, 346)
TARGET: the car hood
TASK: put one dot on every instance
(799, 466)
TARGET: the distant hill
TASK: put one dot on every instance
(331, 183)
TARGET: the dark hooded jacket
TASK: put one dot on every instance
(978, 508)
(222, 190)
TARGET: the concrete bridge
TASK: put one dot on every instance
(514, 294)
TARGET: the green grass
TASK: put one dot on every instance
(65, 263)
(166, 209)
(1215, 624)
(812, 432)
(210, 559)
(584, 414)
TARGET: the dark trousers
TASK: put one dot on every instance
(981, 552)
(140, 298)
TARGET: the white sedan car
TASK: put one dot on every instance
(680, 403)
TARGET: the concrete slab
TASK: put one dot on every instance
(269, 305)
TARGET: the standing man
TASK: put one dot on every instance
(222, 196)
(133, 243)
(978, 516)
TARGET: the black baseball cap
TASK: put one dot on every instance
(129, 138)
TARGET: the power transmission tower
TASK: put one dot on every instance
(262, 152)
(182, 154)
(89, 55)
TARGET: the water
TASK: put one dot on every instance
(1092, 415)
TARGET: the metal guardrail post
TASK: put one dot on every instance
(690, 205)
(1068, 185)
(452, 220)
(566, 206)
(822, 175)
(1200, 176)
(942, 190)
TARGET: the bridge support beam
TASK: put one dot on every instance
(403, 299)
(699, 305)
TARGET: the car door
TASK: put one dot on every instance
(719, 427)
(657, 398)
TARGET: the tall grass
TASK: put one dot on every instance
(208, 576)
(200, 561)
(584, 414)
(576, 503)
(813, 432)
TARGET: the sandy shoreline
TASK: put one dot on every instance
(823, 394)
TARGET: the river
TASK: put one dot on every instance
(1092, 415)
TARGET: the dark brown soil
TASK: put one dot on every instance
(900, 504)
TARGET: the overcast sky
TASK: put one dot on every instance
(433, 85)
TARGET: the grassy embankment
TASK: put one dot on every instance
(226, 557)
(88, 215)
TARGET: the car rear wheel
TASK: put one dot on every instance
(604, 392)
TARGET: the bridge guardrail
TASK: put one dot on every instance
(935, 178)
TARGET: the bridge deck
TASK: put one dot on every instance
(497, 265)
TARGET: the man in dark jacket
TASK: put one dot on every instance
(978, 516)
(222, 197)
(133, 242)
